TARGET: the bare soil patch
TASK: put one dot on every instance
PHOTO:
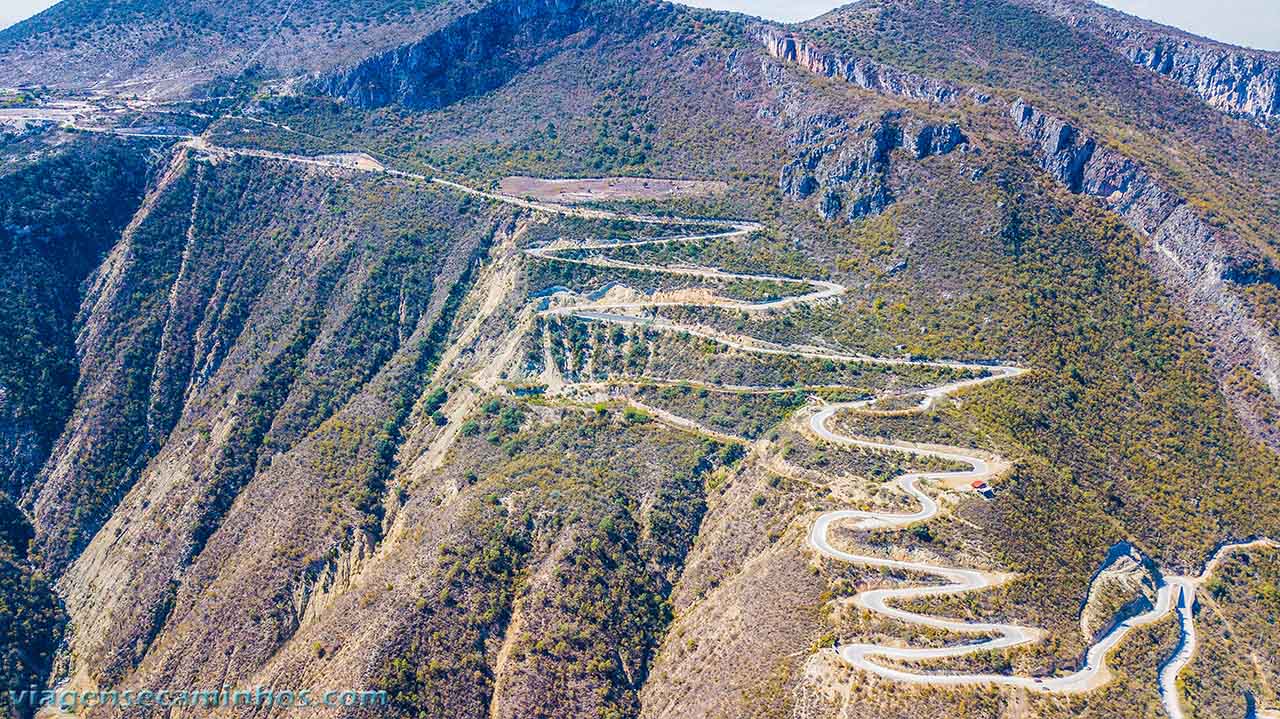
(589, 189)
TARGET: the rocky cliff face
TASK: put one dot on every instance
(1229, 79)
(1202, 265)
(844, 163)
(473, 54)
(319, 589)
(864, 73)
(1234, 80)
(847, 174)
(1123, 587)
(847, 168)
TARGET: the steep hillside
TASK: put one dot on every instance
(61, 215)
(1237, 81)
(1103, 126)
(32, 620)
(167, 49)
(293, 397)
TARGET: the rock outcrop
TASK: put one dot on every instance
(1234, 80)
(847, 174)
(321, 586)
(1123, 587)
(1200, 264)
(864, 73)
(474, 54)
(938, 140)
(848, 168)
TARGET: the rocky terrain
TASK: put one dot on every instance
(862, 72)
(474, 54)
(852, 181)
(293, 395)
(149, 48)
(1123, 587)
(1234, 80)
(1204, 265)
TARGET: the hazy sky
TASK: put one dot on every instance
(12, 11)
(1255, 23)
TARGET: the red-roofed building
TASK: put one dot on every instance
(981, 487)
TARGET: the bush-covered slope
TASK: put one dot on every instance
(31, 617)
(59, 216)
(173, 48)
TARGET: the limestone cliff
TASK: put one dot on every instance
(847, 168)
(1203, 265)
(1235, 80)
(864, 73)
(1229, 79)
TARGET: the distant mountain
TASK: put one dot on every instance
(166, 48)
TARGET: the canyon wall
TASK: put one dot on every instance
(1204, 266)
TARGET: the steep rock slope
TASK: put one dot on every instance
(284, 342)
(469, 56)
(1203, 266)
(850, 177)
(860, 71)
(1207, 240)
(1123, 587)
(1228, 79)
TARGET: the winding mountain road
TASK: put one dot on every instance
(1174, 593)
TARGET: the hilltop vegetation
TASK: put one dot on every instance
(201, 46)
